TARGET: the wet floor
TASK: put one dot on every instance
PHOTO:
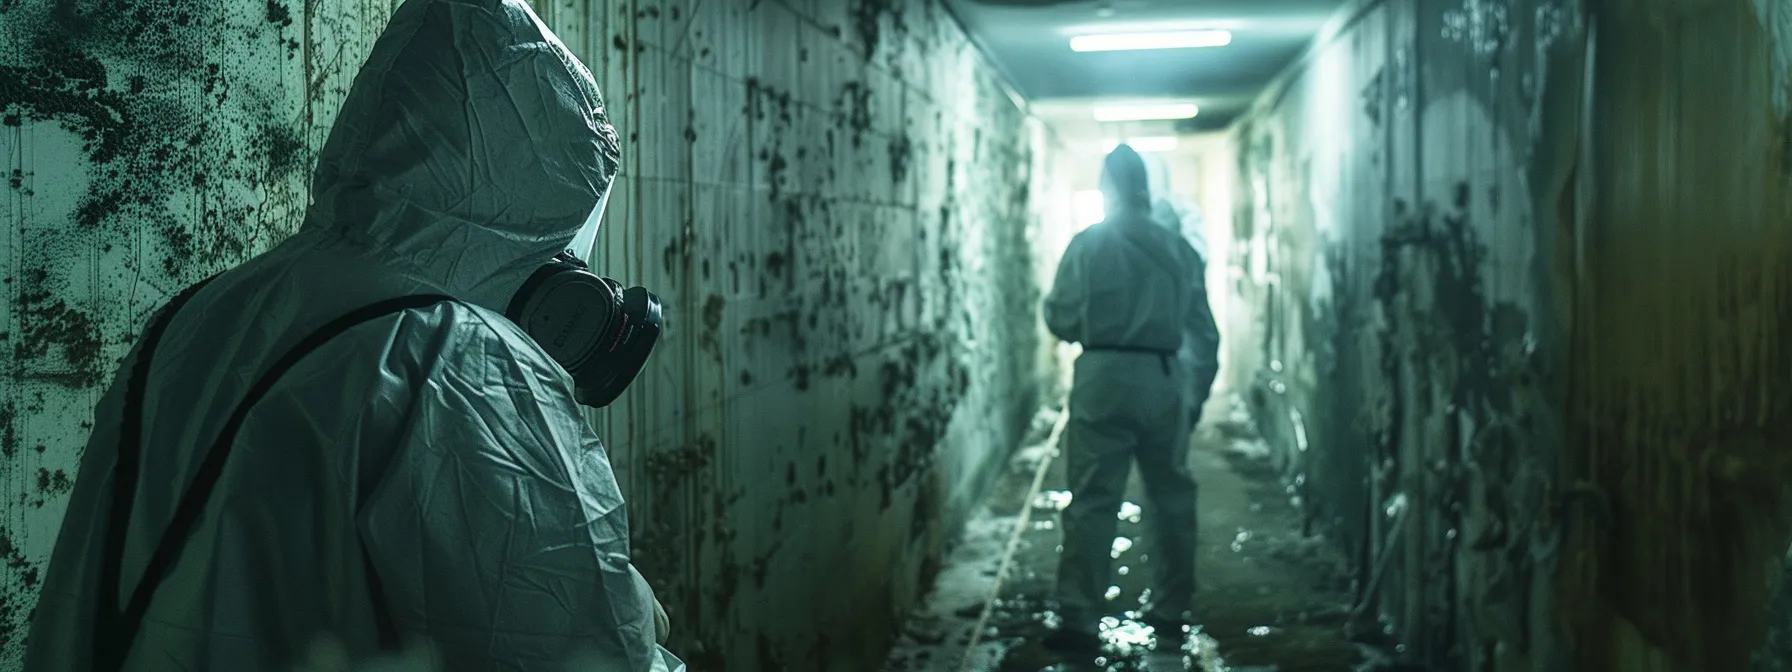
(1270, 597)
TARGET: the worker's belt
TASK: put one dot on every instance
(1163, 356)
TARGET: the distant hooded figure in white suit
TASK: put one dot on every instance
(358, 436)
(1129, 291)
(1201, 346)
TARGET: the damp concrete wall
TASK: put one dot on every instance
(841, 202)
(1515, 280)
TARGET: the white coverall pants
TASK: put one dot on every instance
(1126, 406)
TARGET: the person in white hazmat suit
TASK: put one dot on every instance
(370, 434)
(1201, 347)
(1127, 290)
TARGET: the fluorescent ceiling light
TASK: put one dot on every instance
(1145, 112)
(1291, 24)
(1183, 39)
(1165, 143)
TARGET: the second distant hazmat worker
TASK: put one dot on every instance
(1201, 346)
(1129, 291)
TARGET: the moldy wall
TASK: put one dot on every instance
(1517, 280)
(841, 202)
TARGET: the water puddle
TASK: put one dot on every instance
(1051, 500)
(1131, 512)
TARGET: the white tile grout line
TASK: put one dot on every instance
(1020, 527)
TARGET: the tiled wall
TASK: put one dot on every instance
(840, 202)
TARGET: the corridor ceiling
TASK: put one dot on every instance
(1030, 40)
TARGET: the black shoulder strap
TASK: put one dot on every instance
(124, 478)
(114, 630)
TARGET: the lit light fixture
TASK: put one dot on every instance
(1181, 39)
(1145, 112)
(1164, 143)
(1090, 208)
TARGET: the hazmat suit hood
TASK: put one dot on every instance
(472, 148)
(1124, 188)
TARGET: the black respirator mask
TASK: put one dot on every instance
(601, 333)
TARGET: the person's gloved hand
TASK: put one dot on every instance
(662, 625)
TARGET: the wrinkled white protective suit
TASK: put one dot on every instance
(443, 440)
(1129, 291)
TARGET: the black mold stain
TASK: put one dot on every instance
(285, 150)
(144, 139)
(1440, 249)
(867, 18)
(712, 323)
(853, 110)
(69, 88)
(96, 206)
(774, 173)
(51, 484)
(1373, 96)
(49, 325)
(277, 13)
(902, 151)
(866, 15)
(841, 365)
(10, 606)
(761, 97)
(9, 433)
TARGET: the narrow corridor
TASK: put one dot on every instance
(1273, 597)
(714, 333)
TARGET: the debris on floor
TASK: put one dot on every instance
(1271, 599)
